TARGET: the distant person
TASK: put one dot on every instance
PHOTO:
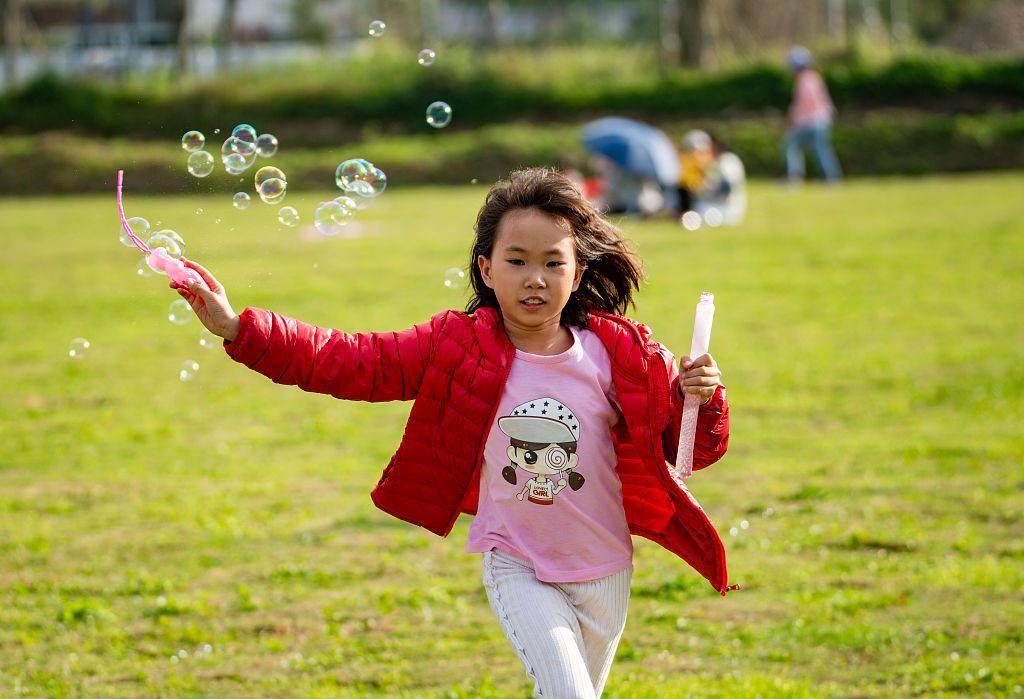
(724, 186)
(695, 157)
(810, 120)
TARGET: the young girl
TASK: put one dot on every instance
(540, 410)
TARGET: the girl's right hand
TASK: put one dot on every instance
(210, 306)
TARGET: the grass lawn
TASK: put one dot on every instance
(870, 336)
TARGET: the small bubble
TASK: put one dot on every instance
(690, 220)
(377, 28)
(79, 348)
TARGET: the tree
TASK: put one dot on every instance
(12, 41)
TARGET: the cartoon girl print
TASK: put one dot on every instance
(543, 435)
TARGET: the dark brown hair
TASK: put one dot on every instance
(613, 271)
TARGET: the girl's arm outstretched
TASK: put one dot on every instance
(374, 366)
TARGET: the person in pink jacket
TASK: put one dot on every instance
(810, 120)
(539, 409)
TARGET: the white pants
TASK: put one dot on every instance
(565, 634)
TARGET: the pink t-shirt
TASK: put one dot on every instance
(549, 492)
(811, 102)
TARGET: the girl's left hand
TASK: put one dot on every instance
(700, 376)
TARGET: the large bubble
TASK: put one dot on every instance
(200, 163)
(271, 184)
(193, 141)
(162, 239)
(237, 155)
(272, 191)
(245, 132)
(266, 145)
(268, 172)
(360, 176)
(330, 217)
(139, 226)
(439, 114)
(377, 28)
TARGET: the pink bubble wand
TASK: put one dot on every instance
(157, 259)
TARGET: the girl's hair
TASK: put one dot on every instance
(612, 271)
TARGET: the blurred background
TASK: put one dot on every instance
(920, 85)
(173, 524)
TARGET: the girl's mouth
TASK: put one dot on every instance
(532, 306)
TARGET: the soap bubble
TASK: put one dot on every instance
(351, 171)
(179, 312)
(237, 155)
(272, 191)
(236, 144)
(377, 28)
(139, 226)
(330, 217)
(79, 348)
(690, 220)
(192, 141)
(207, 340)
(713, 217)
(360, 176)
(439, 114)
(245, 132)
(266, 145)
(173, 235)
(144, 270)
(268, 172)
(200, 163)
(376, 181)
(288, 216)
(346, 202)
(426, 57)
(199, 211)
(454, 277)
(241, 200)
(161, 239)
(187, 372)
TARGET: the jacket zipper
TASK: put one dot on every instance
(483, 439)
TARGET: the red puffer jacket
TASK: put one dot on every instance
(454, 368)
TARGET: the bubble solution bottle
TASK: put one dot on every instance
(691, 402)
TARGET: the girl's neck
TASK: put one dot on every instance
(545, 340)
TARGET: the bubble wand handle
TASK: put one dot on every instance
(158, 259)
(124, 222)
(691, 402)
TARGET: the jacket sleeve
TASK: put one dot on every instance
(711, 440)
(374, 366)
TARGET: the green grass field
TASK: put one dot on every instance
(870, 336)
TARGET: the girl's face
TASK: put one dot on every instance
(533, 256)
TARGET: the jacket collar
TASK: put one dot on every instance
(626, 342)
